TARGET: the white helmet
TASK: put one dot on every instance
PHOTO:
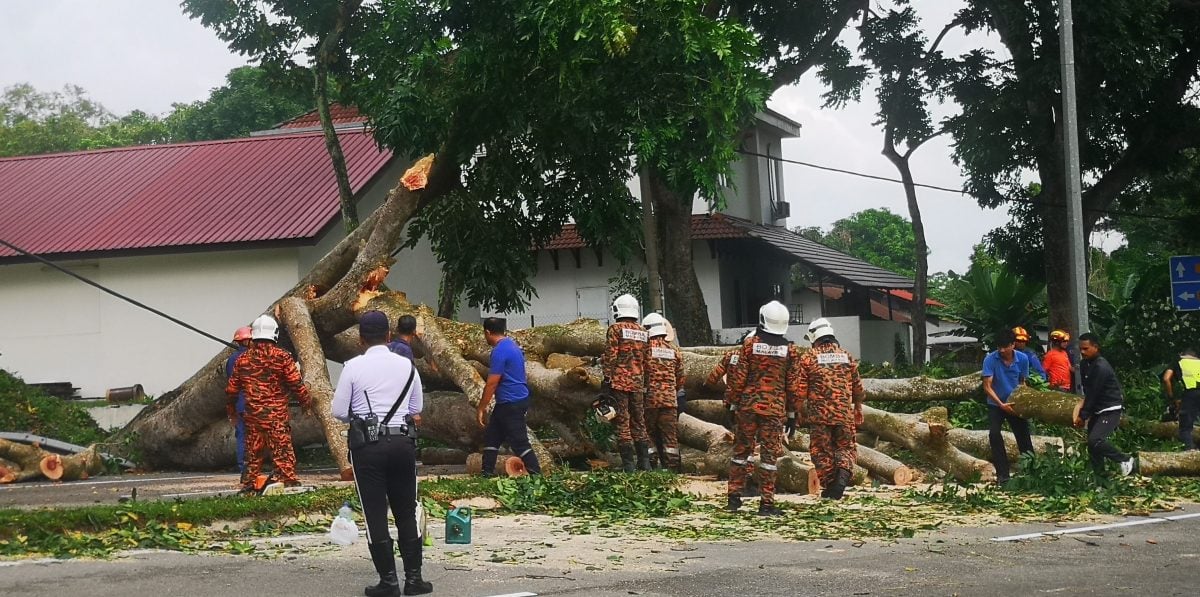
(819, 328)
(655, 324)
(265, 328)
(773, 317)
(625, 306)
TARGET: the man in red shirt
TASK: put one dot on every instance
(1057, 362)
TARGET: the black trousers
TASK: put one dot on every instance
(385, 475)
(1099, 428)
(507, 425)
(1020, 429)
(1189, 408)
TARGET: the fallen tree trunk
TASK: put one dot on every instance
(1177, 464)
(884, 467)
(908, 431)
(71, 468)
(976, 443)
(300, 327)
(703, 435)
(1059, 408)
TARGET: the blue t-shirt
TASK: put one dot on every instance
(401, 348)
(509, 362)
(1005, 378)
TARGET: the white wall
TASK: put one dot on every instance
(879, 340)
(55, 328)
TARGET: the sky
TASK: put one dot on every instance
(147, 55)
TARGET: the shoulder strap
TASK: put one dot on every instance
(408, 384)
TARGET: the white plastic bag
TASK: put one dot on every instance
(343, 531)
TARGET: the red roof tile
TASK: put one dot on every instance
(243, 190)
(704, 227)
(908, 296)
(338, 113)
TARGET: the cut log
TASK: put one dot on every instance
(908, 431)
(975, 442)
(703, 435)
(1179, 464)
(712, 411)
(884, 467)
(72, 468)
(1059, 408)
(922, 389)
(796, 475)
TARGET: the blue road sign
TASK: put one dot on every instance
(1185, 282)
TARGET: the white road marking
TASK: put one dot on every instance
(525, 594)
(1101, 527)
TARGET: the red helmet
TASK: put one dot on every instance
(242, 334)
(1021, 334)
(1059, 336)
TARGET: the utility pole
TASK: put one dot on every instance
(1076, 252)
(650, 238)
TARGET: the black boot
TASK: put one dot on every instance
(735, 502)
(410, 553)
(643, 455)
(385, 564)
(765, 509)
(627, 462)
(489, 463)
(840, 481)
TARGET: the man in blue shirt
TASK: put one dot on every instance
(242, 338)
(1003, 372)
(406, 328)
(505, 382)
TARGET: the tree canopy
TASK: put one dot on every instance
(876, 236)
(34, 122)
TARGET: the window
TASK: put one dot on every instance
(796, 313)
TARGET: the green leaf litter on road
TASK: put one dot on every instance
(646, 505)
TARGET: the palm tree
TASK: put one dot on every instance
(989, 299)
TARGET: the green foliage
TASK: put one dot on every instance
(35, 122)
(23, 408)
(876, 236)
(99, 531)
(595, 495)
(542, 105)
(250, 100)
(987, 300)
(602, 433)
(1135, 111)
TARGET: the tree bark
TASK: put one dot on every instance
(1178, 464)
(650, 238)
(316, 376)
(1058, 408)
(326, 57)
(909, 432)
(684, 300)
(976, 443)
(920, 251)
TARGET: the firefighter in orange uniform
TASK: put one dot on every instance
(624, 365)
(831, 393)
(764, 391)
(664, 393)
(267, 375)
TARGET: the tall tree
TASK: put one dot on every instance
(35, 122)
(275, 34)
(794, 38)
(1136, 68)
(909, 72)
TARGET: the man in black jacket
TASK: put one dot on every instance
(1101, 406)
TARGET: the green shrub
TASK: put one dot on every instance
(28, 409)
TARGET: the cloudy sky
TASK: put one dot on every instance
(145, 54)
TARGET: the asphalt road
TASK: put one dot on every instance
(1149, 559)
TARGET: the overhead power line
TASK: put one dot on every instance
(1109, 212)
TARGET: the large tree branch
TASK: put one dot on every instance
(790, 71)
(326, 57)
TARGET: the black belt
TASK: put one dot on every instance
(394, 430)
